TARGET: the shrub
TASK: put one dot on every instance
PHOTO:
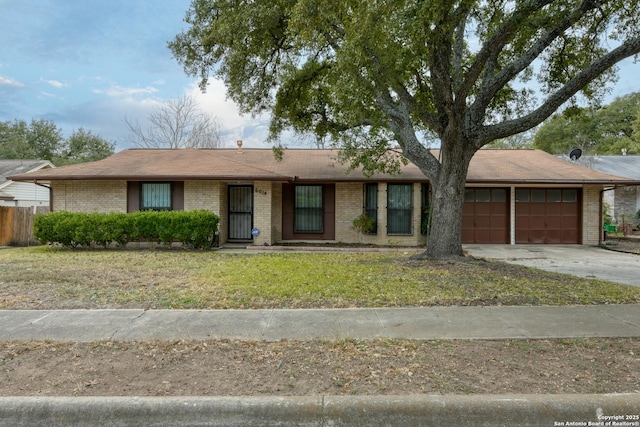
(364, 224)
(194, 229)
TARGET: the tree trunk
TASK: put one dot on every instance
(445, 237)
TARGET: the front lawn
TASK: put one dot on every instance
(49, 278)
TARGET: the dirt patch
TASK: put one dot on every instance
(629, 245)
(233, 368)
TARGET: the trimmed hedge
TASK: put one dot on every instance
(77, 229)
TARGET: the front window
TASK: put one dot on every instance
(309, 213)
(399, 208)
(371, 204)
(155, 196)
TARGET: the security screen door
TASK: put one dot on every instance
(240, 212)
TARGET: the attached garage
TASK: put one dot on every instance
(485, 216)
(548, 215)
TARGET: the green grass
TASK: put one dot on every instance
(44, 277)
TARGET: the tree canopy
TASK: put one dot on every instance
(606, 130)
(377, 76)
(43, 140)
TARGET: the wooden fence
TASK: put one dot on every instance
(16, 225)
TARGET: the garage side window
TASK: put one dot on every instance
(399, 208)
(309, 214)
(155, 196)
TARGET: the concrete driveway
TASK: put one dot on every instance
(582, 261)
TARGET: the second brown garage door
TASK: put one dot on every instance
(485, 216)
(545, 215)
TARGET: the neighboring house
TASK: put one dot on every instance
(512, 196)
(22, 194)
(624, 201)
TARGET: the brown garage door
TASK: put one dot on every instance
(485, 216)
(548, 215)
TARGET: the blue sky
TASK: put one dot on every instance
(90, 63)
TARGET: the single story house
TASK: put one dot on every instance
(512, 196)
(623, 201)
(22, 194)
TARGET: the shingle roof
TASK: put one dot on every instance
(627, 166)
(487, 166)
(14, 167)
(531, 166)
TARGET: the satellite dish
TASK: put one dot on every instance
(575, 154)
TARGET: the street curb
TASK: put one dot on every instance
(412, 410)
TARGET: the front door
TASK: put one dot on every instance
(240, 212)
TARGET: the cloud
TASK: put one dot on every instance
(53, 83)
(10, 82)
(252, 130)
(117, 91)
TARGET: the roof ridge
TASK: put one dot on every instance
(244, 164)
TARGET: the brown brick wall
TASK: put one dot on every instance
(349, 204)
(111, 196)
(89, 196)
(202, 195)
(591, 227)
(262, 212)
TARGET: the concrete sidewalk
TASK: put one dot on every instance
(501, 322)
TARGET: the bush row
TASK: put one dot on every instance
(76, 229)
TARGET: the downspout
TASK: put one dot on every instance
(601, 216)
(50, 194)
(42, 185)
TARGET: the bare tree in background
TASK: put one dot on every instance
(177, 123)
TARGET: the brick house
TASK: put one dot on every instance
(512, 196)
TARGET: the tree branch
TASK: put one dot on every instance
(493, 83)
(495, 44)
(401, 125)
(573, 86)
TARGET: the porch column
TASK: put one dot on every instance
(262, 212)
(512, 216)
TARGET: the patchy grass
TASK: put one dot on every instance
(318, 367)
(50, 278)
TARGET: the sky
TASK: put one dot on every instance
(91, 63)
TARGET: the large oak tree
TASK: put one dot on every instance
(374, 75)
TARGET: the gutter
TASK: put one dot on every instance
(18, 178)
